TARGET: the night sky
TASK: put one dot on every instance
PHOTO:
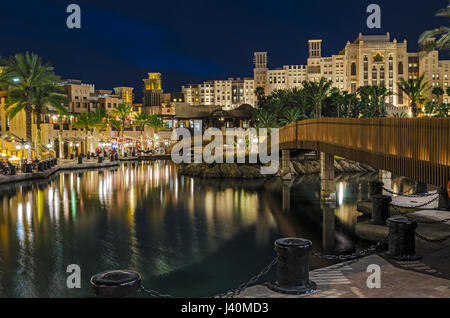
(192, 41)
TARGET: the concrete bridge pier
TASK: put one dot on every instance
(328, 227)
(386, 177)
(285, 165)
(327, 186)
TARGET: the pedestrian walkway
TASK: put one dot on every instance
(349, 280)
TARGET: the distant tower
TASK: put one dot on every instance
(315, 48)
(152, 90)
(126, 94)
(260, 70)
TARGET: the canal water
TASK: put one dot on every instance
(187, 237)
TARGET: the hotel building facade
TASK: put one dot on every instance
(368, 60)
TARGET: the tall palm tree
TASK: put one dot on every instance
(122, 113)
(141, 120)
(317, 92)
(442, 34)
(24, 74)
(265, 119)
(85, 121)
(415, 89)
(46, 98)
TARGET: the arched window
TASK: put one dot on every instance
(353, 69)
(400, 68)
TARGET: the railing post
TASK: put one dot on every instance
(293, 267)
(116, 284)
(380, 209)
(402, 239)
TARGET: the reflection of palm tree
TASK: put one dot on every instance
(442, 34)
(25, 73)
(415, 89)
(317, 92)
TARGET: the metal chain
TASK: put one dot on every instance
(229, 294)
(420, 195)
(432, 240)
(353, 255)
(403, 193)
(155, 294)
(417, 206)
(234, 292)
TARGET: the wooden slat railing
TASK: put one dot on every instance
(417, 148)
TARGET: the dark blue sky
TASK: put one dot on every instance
(192, 41)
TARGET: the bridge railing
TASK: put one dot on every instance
(418, 148)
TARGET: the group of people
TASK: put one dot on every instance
(7, 168)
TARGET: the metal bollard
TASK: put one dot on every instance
(80, 159)
(380, 209)
(100, 159)
(72, 156)
(40, 166)
(376, 187)
(422, 188)
(293, 267)
(88, 155)
(444, 200)
(116, 284)
(402, 239)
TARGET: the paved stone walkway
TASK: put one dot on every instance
(349, 280)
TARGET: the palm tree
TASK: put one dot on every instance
(141, 120)
(374, 99)
(415, 89)
(24, 74)
(260, 94)
(265, 119)
(427, 39)
(85, 121)
(438, 92)
(317, 92)
(122, 113)
(46, 98)
(291, 115)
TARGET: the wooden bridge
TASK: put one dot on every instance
(417, 148)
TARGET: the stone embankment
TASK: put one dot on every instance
(248, 171)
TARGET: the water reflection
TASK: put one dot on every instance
(186, 236)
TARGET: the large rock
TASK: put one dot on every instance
(298, 166)
(250, 172)
(230, 170)
(213, 171)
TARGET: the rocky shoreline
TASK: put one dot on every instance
(252, 171)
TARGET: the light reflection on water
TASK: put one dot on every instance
(188, 237)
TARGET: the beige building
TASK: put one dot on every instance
(368, 60)
(229, 94)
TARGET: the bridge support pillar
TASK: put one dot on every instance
(286, 195)
(285, 165)
(327, 186)
(386, 177)
(328, 227)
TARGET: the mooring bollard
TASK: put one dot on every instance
(72, 156)
(80, 159)
(88, 155)
(293, 267)
(380, 209)
(100, 159)
(116, 284)
(421, 188)
(40, 166)
(444, 200)
(376, 187)
(402, 239)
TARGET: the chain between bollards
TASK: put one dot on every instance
(344, 257)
